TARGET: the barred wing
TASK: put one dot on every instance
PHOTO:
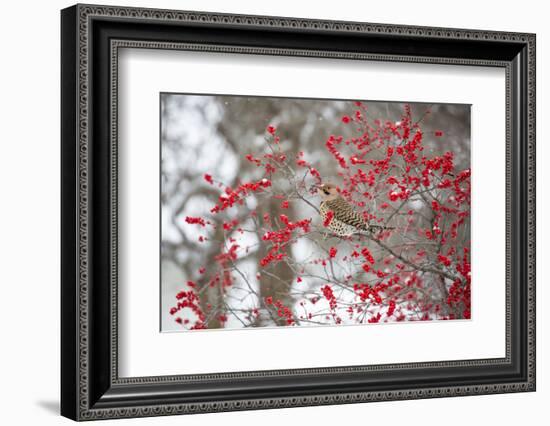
(344, 212)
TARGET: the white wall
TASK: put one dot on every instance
(29, 213)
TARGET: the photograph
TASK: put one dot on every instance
(268, 208)
(294, 212)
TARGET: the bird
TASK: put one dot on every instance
(344, 221)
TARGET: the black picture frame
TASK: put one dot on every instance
(90, 38)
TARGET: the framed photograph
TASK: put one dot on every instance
(263, 212)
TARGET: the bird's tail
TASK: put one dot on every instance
(378, 228)
(375, 229)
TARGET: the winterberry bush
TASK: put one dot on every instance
(274, 261)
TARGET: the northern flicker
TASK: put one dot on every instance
(345, 220)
